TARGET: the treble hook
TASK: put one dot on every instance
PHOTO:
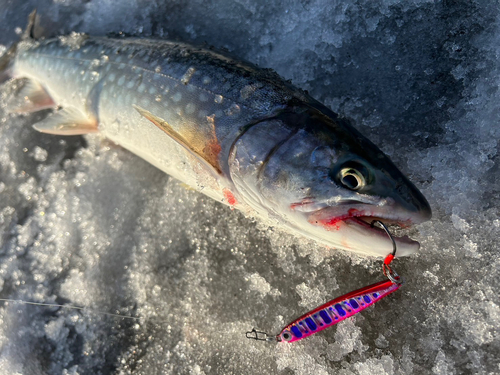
(388, 271)
(259, 335)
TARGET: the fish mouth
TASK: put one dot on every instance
(356, 217)
(367, 222)
(356, 223)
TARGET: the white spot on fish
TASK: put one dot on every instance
(206, 80)
(158, 69)
(234, 110)
(130, 84)
(114, 128)
(218, 99)
(203, 97)
(247, 91)
(141, 87)
(190, 108)
(177, 97)
(152, 90)
(111, 77)
(121, 81)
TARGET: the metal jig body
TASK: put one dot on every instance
(339, 308)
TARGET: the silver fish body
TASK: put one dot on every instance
(237, 133)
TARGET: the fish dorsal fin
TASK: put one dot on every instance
(29, 32)
(206, 151)
(67, 121)
(32, 97)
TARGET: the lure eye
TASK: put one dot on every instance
(286, 336)
(353, 176)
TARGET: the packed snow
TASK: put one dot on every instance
(84, 223)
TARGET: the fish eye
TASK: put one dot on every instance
(353, 176)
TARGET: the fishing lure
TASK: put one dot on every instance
(339, 308)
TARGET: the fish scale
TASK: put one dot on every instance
(162, 67)
(237, 133)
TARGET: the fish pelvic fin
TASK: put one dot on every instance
(67, 121)
(31, 97)
(207, 154)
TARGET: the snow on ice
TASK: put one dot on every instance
(85, 223)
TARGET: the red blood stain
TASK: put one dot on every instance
(231, 200)
(335, 222)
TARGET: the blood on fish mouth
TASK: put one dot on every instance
(360, 218)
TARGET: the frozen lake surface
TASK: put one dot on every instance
(85, 223)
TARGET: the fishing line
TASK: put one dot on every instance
(85, 309)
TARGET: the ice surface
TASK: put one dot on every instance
(85, 223)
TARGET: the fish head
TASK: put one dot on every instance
(322, 178)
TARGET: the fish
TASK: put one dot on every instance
(237, 133)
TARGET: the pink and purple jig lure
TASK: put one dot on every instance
(337, 309)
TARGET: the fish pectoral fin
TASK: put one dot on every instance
(67, 121)
(31, 97)
(205, 159)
